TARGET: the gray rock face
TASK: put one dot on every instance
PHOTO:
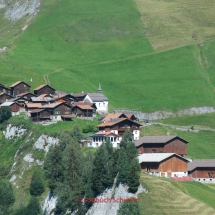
(49, 204)
(23, 8)
(13, 132)
(3, 3)
(115, 195)
(3, 49)
(44, 142)
(167, 114)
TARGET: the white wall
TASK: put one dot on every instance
(205, 180)
(99, 142)
(136, 134)
(102, 106)
(56, 118)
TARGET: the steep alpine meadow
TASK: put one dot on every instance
(77, 44)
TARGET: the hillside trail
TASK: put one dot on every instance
(191, 128)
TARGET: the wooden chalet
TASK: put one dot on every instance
(14, 107)
(19, 100)
(19, 87)
(82, 110)
(120, 125)
(202, 169)
(44, 89)
(164, 164)
(79, 96)
(4, 89)
(167, 144)
(38, 115)
(59, 111)
(4, 97)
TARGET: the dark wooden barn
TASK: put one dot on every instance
(168, 144)
(19, 87)
(4, 97)
(44, 89)
(79, 96)
(82, 110)
(38, 115)
(4, 89)
(14, 107)
(164, 164)
(204, 168)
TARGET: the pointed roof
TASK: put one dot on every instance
(17, 83)
(157, 157)
(116, 121)
(201, 163)
(42, 86)
(156, 139)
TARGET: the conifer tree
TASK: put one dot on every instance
(36, 186)
(128, 208)
(133, 175)
(53, 167)
(76, 133)
(122, 166)
(33, 207)
(127, 137)
(131, 151)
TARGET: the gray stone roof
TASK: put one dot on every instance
(97, 97)
(201, 163)
(155, 139)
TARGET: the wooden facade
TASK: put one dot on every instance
(19, 87)
(4, 89)
(40, 115)
(58, 109)
(203, 172)
(4, 97)
(171, 164)
(83, 111)
(121, 125)
(44, 89)
(176, 145)
(15, 107)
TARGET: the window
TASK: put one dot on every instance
(135, 132)
(114, 139)
(57, 108)
(57, 112)
(104, 104)
(24, 85)
(111, 139)
(99, 104)
(153, 150)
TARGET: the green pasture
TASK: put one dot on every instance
(171, 24)
(165, 197)
(78, 44)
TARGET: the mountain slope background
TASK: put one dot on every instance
(155, 55)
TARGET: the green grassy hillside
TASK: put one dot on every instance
(166, 197)
(78, 44)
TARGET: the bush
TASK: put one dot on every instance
(36, 186)
(5, 114)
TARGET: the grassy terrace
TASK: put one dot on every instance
(166, 197)
(204, 120)
(78, 44)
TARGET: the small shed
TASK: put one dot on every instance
(202, 170)
(15, 107)
(4, 97)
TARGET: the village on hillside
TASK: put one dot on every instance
(160, 156)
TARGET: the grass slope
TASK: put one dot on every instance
(78, 44)
(170, 24)
(166, 198)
